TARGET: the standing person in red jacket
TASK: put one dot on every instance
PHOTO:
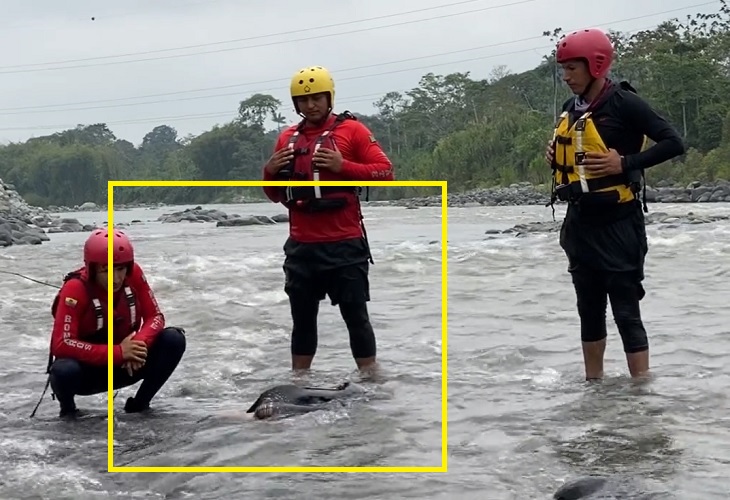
(144, 349)
(327, 252)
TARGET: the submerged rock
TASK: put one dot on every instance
(525, 193)
(654, 218)
(222, 219)
(608, 488)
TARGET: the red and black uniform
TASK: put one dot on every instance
(80, 330)
(363, 159)
(80, 324)
(327, 252)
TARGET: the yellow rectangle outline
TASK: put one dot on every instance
(444, 327)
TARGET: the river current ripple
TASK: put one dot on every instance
(521, 419)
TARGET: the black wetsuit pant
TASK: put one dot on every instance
(338, 270)
(606, 249)
(70, 377)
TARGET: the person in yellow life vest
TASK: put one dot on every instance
(598, 157)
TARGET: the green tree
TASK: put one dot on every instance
(472, 133)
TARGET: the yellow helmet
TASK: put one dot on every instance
(312, 80)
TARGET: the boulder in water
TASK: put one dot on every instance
(222, 219)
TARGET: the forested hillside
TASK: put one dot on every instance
(473, 133)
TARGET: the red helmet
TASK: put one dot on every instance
(593, 45)
(97, 244)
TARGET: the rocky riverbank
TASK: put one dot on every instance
(90, 206)
(23, 224)
(525, 193)
(653, 218)
(221, 219)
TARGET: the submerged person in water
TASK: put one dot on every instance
(289, 399)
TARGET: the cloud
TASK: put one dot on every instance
(36, 34)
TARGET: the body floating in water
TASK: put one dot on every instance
(288, 400)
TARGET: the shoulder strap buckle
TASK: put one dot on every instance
(345, 115)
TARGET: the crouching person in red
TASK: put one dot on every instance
(327, 252)
(144, 348)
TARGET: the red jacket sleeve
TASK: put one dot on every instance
(274, 192)
(153, 321)
(73, 302)
(373, 163)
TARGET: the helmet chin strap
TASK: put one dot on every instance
(588, 88)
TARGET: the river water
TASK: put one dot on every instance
(521, 419)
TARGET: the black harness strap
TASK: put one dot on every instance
(98, 312)
(294, 194)
(310, 198)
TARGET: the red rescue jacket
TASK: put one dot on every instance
(363, 159)
(80, 317)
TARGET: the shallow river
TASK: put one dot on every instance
(521, 419)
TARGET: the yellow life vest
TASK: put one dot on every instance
(571, 179)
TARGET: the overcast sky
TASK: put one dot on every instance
(188, 63)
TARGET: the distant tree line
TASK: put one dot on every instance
(473, 133)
